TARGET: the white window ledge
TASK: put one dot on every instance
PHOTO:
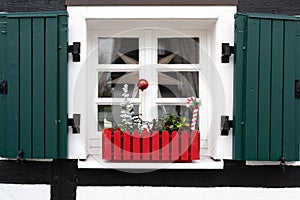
(95, 162)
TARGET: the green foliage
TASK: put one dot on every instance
(170, 122)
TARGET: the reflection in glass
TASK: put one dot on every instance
(178, 84)
(118, 50)
(109, 116)
(110, 84)
(178, 51)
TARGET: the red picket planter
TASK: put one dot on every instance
(150, 147)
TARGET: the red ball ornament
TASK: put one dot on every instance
(142, 84)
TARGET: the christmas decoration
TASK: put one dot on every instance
(142, 84)
(127, 111)
(194, 104)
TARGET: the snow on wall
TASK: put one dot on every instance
(179, 193)
(24, 192)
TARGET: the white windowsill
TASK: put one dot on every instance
(95, 162)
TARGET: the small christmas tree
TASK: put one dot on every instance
(127, 112)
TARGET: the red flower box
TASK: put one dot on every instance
(150, 147)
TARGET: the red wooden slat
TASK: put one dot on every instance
(104, 138)
(195, 147)
(126, 146)
(165, 146)
(175, 147)
(184, 146)
(155, 145)
(136, 146)
(146, 145)
(107, 148)
(117, 145)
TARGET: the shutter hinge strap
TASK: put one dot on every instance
(227, 50)
(75, 123)
(226, 125)
(75, 50)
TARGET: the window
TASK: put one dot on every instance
(170, 61)
(147, 42)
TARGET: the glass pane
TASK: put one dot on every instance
(179, 110)
(109, 116)
(110, 84)
(178, 84)
(178, 51)
(118, 50)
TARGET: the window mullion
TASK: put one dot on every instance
(148, 72)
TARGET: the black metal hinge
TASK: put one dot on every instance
(75, 50)
(3, 87)
(226, 125)
(75, 123)
(227, 50)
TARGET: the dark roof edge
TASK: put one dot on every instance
(151, 3)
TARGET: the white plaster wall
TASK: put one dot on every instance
(176, 193)
(24, 192)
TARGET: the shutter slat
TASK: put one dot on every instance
(25, 87)
(38, 99)
(63, 85)
(3, 98)
(297, 103)
(277, 90)
(264, 90)
(252, 88)
(239, 100)
(12, 136)
(51, 88)
(290, 151)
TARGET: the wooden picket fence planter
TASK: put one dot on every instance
(150, 147)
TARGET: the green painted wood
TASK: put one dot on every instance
(277, 90)
(38, 85)
(3, 98)
(290, 147)
(297, 73)
(34, 113)
(251, 106)
(25, 87)
(51, 85)
(264, 90)
(12, 135)
(266, 67)
(238, 100)
(63, 85)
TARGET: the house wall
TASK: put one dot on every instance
(60, 178)
(286, 7)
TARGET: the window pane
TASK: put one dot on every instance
(109, 116)
(111, 83)
(118, 50)
(178, 84)
(178, 51)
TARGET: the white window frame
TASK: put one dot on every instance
(148, 57)
(218, 20)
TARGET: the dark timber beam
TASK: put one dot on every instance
(150, 2)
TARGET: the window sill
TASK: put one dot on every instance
(94, 162)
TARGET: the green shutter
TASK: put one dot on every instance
(266, 112)
(33, 116)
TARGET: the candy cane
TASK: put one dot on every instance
(193, 102)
